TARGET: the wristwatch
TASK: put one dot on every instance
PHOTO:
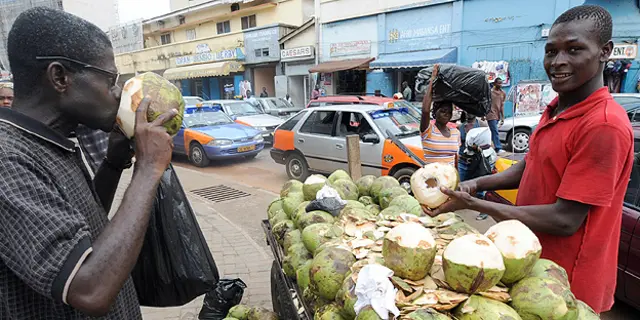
(126, 165)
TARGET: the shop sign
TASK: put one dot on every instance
(494, 70)
(423, 32)
(350, 48)
(299, 52)
(229, 54)
(624, 51)
(203, 48)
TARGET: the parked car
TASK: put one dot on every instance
(515, 132)
(244, 112)
(628, 285)
(278, 107)
(192, 101)
(314, 140)
(208, 133)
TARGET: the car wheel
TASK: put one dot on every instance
(518, 140)
(404, 177)
(197, 156)
(297, 167)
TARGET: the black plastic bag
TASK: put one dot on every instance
(175, 265)
(466, 87)
(227, 294)
(331, 205)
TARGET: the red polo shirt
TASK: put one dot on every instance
(584, 154)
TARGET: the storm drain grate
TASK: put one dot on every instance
(220, 193)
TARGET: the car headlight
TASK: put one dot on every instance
(258, 138)
(220, 142)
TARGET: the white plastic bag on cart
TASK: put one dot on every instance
(375, 289)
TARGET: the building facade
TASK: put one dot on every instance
(103, 13)
(298, 55)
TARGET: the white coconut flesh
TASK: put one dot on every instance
(426, 183)
(128, 105)
(412, 235)
(474, 250)
(314, 179)
(514, 239)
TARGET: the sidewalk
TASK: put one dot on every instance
(236, 253)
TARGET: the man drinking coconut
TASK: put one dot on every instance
(573, 180)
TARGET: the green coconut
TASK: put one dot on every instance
(481, 308)
(519, 246)
(458, 229)
(390, 212)
(472, 263)
(281, 229)
(539, 298)
(387, 195)
(313, 301)
(353, 204)
(317, 234)
(301, 210)
(314, 217)
(229, 318)
(328, 270)
(280, 216)
(291, 203)
(548, 269)
(426, 183)
(428, 314)
(380, 184)
(258, 313)
(339, 175)
(367, 313)
(585, 312)
(302, 275)
(240, 312)
(274, 208)
(290, 238)
(373, 209)
(364, 185)
(357, 213)
(366, 200)
(291, 186)
(409, 250)
(407, 204)
(346, 298)
(346, 189)
(328, 312)
(312, 185)
(295, 258)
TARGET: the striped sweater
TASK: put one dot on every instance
(438, 148)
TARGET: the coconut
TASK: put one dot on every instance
(280, 216)
(367, 313)
(380, 184)
(585, 312)
(480, 308)
(539, 298)
(229, 318)
(548, 269)
(274, 207)
(387, 195)
(427, 314)
(296, 257)
(328, 270)
(346, 298)
(315, 235)
(291, 203)
(472, 263)
(313, 301)
(291, 186)
(240, 312)
(366, 200)
(426, 183)
(364, 185)
(328, 312)
(314, 217)
(519, 246)
(409, 250)
(301, 210)
(339, 175)
(280, 229)
(259, 313)
(164, 97)
(302, 275)
(391, 212)
(407, 204)
(290, 238)
(373, 209)
(346, 189)
(312, 185)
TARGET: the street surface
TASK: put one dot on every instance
(241, 250)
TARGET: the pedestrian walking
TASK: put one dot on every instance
(61, 256)
(406, 91)
(6, 94)
(315, 93)
(439, 142)
(573, 181)
(495, 117)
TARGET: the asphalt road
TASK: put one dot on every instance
(263, 173)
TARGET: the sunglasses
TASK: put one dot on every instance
(113, 76)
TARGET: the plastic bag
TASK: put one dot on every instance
(227, 294)
(175, 265)
(466, 87)
(328, 200)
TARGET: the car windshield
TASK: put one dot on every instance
(397, 121)
(239, 109)
(413, 110)
(627, 102)
(192, 101)
(204, 118)
(277, 104)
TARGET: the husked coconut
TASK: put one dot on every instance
(328, 271)
(519, 246)
(312, 185)
(539, 298)
(366, 200)
(346, 189)
(314, 217)
(426, 183)
(364, 185)
(300, 211)
(548, 269)
(346, 298)
(407, 204)
(409, 250)
(280, 229)
(274, 207)
(387, 195)
(291, 202)
(472, 263)
(280, 216)
(302, 275)
(373, 209)
(290, 238)
(481, 308)
(317, 234)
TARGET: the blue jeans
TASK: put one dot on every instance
(464, 176)
(495, 136)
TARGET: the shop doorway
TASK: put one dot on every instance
(196, 87)
(408, 75)
(352, 82)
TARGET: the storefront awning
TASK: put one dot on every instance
(416, 59)
(334, 66)
(222, 68)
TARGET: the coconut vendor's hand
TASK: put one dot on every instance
(120, 150)
(458, 200)
(469, 186)
(153, 145)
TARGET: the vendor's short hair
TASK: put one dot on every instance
(599, 15)
(44, 31)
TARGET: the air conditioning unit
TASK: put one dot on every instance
(545, 32)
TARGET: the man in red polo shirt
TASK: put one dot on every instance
(573, 180)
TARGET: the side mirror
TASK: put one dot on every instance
(371, 138)
(234, 118)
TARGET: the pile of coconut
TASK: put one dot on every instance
(443, 268)
(243, 312)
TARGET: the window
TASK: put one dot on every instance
(235, 7)
(319, 122)
(353, 123)
(258, 52)
(289, 124)
(249, 22)
(165, 38)
(265, 52)
(223, 27)
(191, 34)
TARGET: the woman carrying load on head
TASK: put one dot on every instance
(6, 94)
(440, 142)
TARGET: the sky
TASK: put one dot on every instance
(141, 9)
